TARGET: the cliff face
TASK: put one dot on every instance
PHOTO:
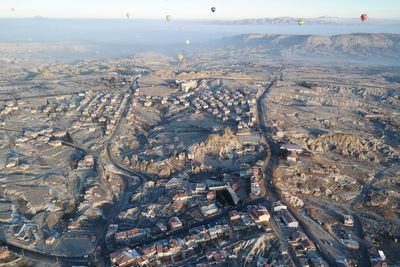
(381, 48)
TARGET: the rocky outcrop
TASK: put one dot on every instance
(219, 146)
(351, 145)
(160, 168)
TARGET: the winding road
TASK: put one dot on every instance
(272, 164)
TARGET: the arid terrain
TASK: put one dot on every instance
(237, 155)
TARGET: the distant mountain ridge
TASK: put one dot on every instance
(324, 20)
(381, 48)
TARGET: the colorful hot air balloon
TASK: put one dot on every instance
(168, 17)
(180, 57)
(364, 17)
(300, 22)
(187, 42)
(128, 15)
(213, 9)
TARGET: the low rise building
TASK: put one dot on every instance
(175, 223)
(209, 210)
(288, 219)
(234, 215)
(174, 183)
(260, 214)
(292, 148)
(348, 221)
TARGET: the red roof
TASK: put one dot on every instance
(121, 235)
(218, 256)
(133, 231)
(149, 250)
(175, 222)
(180, 196)
(196, 214)
(125, 260)
(118, 253)
(177, 205)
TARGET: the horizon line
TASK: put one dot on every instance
(191, 19)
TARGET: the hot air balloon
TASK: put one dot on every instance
(168, 17)
(180, 57)
(364, 17)
(187, 42)
(213, 9)
(128, 15)
(300, 22)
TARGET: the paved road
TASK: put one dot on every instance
(363, 253)
(44, 257)
(269, 166)
(127, 187)
(273, 163)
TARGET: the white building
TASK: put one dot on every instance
(209, 210)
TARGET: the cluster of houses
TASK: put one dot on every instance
(95, 109)
(130, 235)
(228, 105)
(236, 106)
(305, 252)
(185, 203)
(304, 249)
(8, 107)
(202, 195)
(171, 250)
(256, 180)
(34, 138)
(206, 240)
(86, 163)
(40, 136)
(102, 108)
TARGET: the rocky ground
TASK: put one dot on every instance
(348, 129)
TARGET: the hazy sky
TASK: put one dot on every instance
(199, 9)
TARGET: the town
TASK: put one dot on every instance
(144, 166)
